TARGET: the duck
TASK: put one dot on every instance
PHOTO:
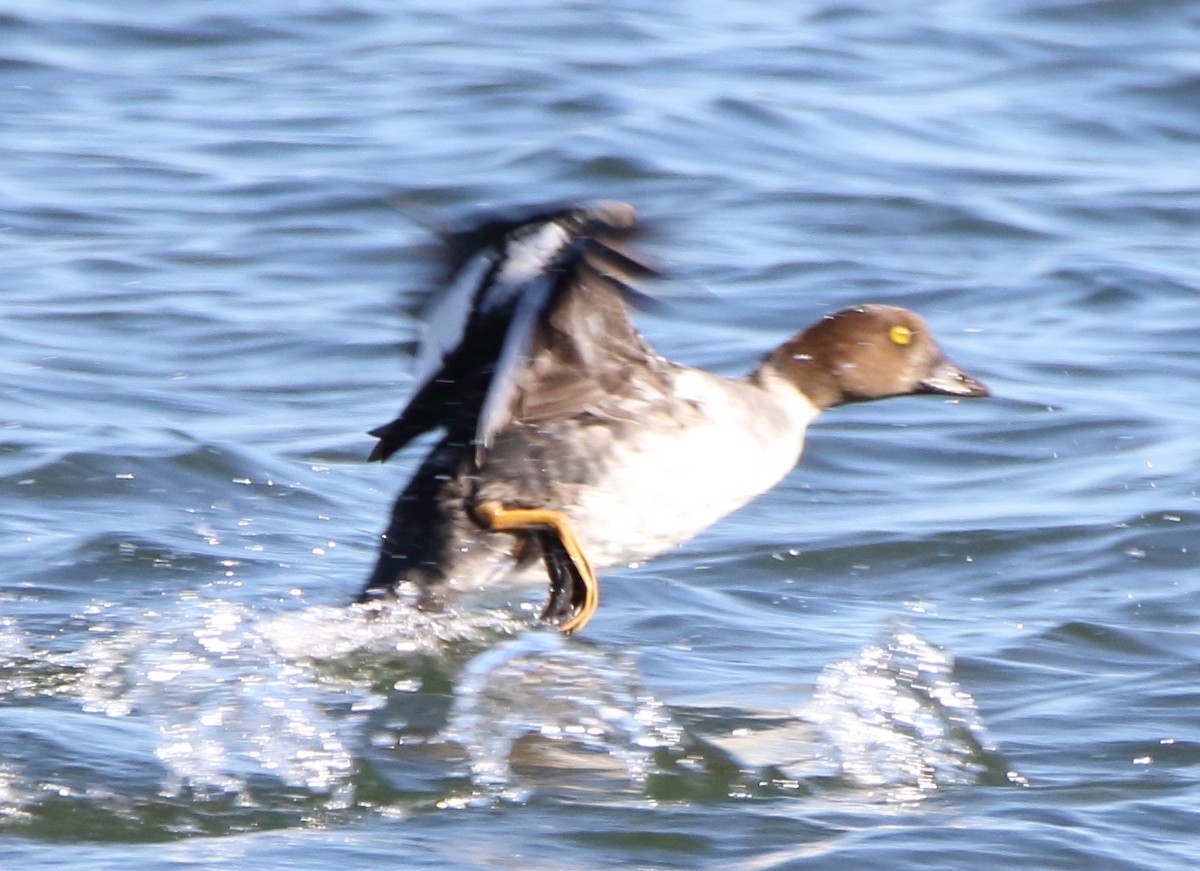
(565, 441)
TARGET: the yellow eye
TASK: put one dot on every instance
(900, 334)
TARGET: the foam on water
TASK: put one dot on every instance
(892, 718)
(222, 700)
(542, 685)
(212, 703)
(227, 707)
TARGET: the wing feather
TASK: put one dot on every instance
(545, 334)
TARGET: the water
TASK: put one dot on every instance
(961, 635)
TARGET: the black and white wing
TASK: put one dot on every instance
(533, 324)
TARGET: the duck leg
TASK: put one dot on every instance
(574, 590)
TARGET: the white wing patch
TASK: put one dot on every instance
(445, 320)
(526, 257)
(524, 275)
(497, 404)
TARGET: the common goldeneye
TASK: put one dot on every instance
(566, 437)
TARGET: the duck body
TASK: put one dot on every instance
(549, 400)
(642, 475)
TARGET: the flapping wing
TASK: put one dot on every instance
(533, 325)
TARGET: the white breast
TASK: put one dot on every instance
(662, 488)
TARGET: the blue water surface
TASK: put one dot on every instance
(960, 635)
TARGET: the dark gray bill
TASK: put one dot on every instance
(949, 379)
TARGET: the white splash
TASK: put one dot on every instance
(543, 685)
(227, 707)
(893, 718)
